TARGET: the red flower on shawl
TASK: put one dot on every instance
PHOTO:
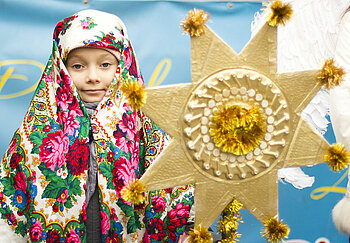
(53, 149)
(20, 181)
(178, 216)
(75, 108)
(15, 159)
(155, 230)
(158, 203)
(130, 62)
(83, 214)
(146, 238)
(113, 237)
(72, 237)
(78, 156)
(128, 125)
(53, 237)
(109, 39)
(110, 156)
(35, 231)
(62, 26)
(63, 97)
(13, 145)
(67, 80)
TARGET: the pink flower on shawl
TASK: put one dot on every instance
(20, 181)
(85, 24)
(71, 123)
(75, 108)
(130, 63)
(158, 203)
(62, 116)
(135, 154)
(63, 97)
(35, 231)
(179, 215)
(121, 140)
(128, 125)
(122, 143)
(67, 80)
(49, 78)
(105, 223)
(13, 145)
(53, 149)
(146, 238)
(123, 173)
(127, 58)
(63, 197)
(72, 237)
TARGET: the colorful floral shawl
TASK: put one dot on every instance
(44, 170)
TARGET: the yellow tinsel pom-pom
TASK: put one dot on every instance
(275, 231)
(237, 129)
(330, 75)
(337, 157)
(135, 93)
(134, 192)
(195, 22)
(280, 13)
(200, 234)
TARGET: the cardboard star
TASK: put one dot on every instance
(185, 112)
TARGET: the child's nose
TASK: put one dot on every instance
(93, 75)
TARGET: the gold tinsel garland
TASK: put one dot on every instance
(228, 223)
(280, 13)
(337, 157)
(200, 234)
(330, 75)
(237, 129)
(135, 93)
(275, 231)
(194, 23)
(134, 192)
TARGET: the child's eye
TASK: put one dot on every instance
(77, 66)
(105, 65)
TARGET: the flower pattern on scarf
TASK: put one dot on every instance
(43, 173)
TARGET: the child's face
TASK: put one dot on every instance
(92, 71)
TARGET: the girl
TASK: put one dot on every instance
(82, 141)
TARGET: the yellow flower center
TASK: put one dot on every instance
(19, 199)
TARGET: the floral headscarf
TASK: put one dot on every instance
(44, 171)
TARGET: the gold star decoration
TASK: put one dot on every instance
(223, 79)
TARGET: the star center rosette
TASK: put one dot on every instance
(236, 123)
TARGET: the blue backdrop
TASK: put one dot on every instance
(164, 55)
